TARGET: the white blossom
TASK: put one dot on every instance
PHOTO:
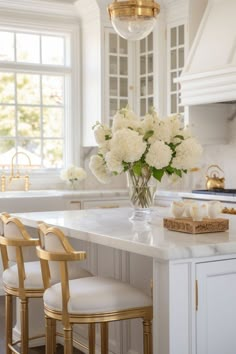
(159, 155)
(126, 120)
(73, 173)
(187, 154)
(99, 169)
(101, 133)
(127, 145)
(114, 164)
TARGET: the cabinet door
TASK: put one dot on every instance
(118, 78)
(216, 313)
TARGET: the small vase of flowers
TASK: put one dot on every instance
(146, 149)
(73, 175)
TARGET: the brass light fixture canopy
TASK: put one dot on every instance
(133, 19)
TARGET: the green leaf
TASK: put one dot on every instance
(179, 137)
(158, 174)
(137, 168)
(107, 137)
(148, 134)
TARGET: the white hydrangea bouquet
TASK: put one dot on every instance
(73, 175)
(146, 148)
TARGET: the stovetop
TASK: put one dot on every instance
(229, 192)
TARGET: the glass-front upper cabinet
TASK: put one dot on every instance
(129, 74)
(146, 74)
(176, 51)
(117, 77)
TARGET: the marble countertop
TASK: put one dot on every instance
(111, 227)
(88, 194)
(199, 196)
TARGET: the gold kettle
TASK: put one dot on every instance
(213, 180)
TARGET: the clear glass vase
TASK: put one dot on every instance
(141, 193)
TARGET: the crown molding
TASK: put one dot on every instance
(38, 7)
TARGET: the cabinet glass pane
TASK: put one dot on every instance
(143, 89)
(143, 110)
(113, 86)
(113, 65)
(173, 86)
(7, 88)
(150, 63)
(181, 35)
(173, 41)
(123, 103)
(113, 43)
(173, 103)
(142, 65)
(150, 85)
(181, 57)
(142, 45)
(123, 46)
(123, 87)
(173, 60)
(113, 106)
(150, 42)
(150, 102)
(123, 66)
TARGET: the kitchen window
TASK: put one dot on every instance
(36, 97)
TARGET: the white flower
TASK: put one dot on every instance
(159, 155)
(99, 169)
(73, 173)
(126, 120)
(148, 123)
(162, 132)
(187, 154)
(127, 145)
(101, 133)
(114, 164)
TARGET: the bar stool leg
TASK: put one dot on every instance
(104, 338)
(147, 337)
(50, 335)
(8, 319)
(92, 337)
(24, 326)
(68, 341)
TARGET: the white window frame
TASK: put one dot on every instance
(33, 21)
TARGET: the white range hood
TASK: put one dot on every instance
(210, 72)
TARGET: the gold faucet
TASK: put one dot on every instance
(16, 175)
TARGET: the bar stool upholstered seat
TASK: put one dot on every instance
(87, 300)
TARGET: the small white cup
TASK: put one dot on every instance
(197, 212)
(188, 204)
(177, 209)
(214, 208)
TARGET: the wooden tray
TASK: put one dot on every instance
(196, 227)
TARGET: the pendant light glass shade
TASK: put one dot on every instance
(133, 19)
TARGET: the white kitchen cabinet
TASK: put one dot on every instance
(216, 307)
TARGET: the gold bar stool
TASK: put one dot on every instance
(88, 300)
(24, 279)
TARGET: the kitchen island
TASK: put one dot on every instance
(194, 276)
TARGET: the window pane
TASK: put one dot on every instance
(53, 90)
(7, 88)
(150, 63)
(113, 87)
(113, 107)
(142, 65)
(28, 89)
(5, 146)
(27, 48)
(7, 46)
(173, 41)
(150, 41)
(123, 66)
(7, 121)
(33, 148)
(29, 121)
(113, 65)
(53, 50)
(181, 35)
(53, 122)
(53, 153)
(123, 87)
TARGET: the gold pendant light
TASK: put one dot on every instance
(133, 19)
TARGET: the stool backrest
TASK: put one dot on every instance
(61, 257)
(13, 241)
